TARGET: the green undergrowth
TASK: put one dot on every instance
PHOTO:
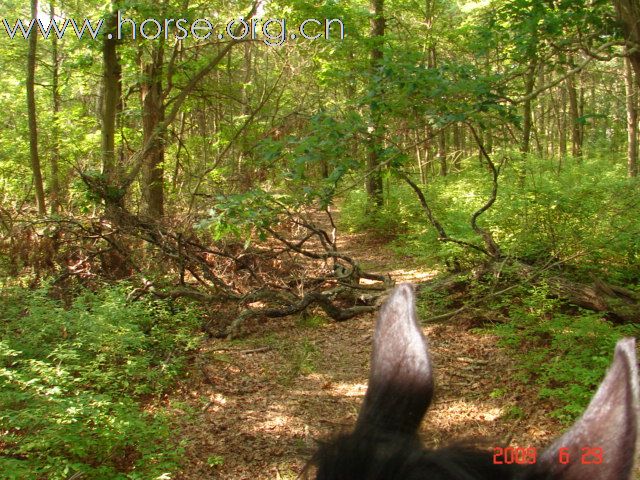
(80, 387)
(298, 357)
(585, 214)
(562, 353)
(559, 352)
(583, 218)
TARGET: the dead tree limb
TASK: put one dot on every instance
(492, 247)
(442, 234)
(322, 300)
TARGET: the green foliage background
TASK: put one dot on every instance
(80, 386)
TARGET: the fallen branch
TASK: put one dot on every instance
(322, 300)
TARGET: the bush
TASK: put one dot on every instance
(588, 210)
(565, 356)
(74, 383)
(390, 220)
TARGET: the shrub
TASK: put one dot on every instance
(74, 384)
(564, 356)
(588, 210)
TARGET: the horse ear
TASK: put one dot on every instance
(401, 381)
(601, 445)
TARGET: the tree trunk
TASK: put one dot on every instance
(622, 305)
(428, 152)
(574, 118)
(421, 166)
(114, 261)
(632, 119)
(374, 178)
(628, 13)
(152, 116)
(457, 142)
(527, 120)
(111, 86)
(31, 111)
(442, 152)
(541, 120)
(55, 191)
(180, 139)
(562, 125)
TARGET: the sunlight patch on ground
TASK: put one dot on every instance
(341, 389)
(275, 422)
(465, 410)
(414, 275)
(217, 402)
(349, 389)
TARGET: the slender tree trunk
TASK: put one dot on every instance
(421, 166)
(541, 118)
(111, 86)
(374, 178)
(463, 141)
(152, 116)
(442, 152)
(243, 164)
(488, 140)
(31, 110)
(527, 120)
(203, 131)
(457, 142)
(632, 119)
(574, 118)
(562, 121)
(581, 123)
(428, 152)
(55, 190)
(151, 94)
(176, 171)
(113, 261)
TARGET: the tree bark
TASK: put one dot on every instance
(55, 192)
(111, 87)
(540, 120)
(457, 142)
(442, 152)
(31, 111)
(115, 260)
(562, 126)
(374, 178)
(180, 139)
(628, 13)
(632, 119)
(574, 116)
(152, 116)
(527, 121)
(421, 165)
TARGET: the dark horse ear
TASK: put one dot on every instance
(601, 444)
(401, 381)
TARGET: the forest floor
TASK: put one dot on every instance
(256, 408)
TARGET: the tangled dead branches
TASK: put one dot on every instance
(298, 266)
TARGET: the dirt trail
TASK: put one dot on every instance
(254, 409)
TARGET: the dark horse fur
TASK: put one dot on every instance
(385, 446)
